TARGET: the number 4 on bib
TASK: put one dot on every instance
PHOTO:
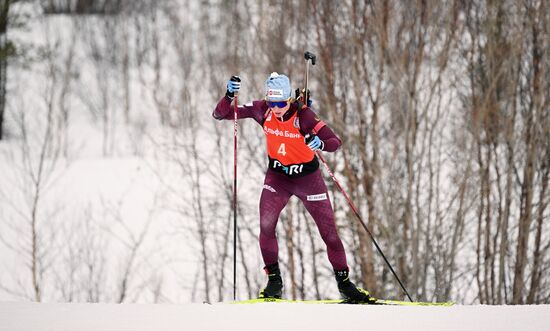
(282, 149)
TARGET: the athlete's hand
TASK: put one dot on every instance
(233, 86)
(314, 143)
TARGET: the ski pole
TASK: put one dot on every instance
(235, 112)
(310, 56)
(356, 212)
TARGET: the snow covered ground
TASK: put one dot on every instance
(267, 316)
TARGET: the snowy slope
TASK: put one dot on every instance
(267, 316)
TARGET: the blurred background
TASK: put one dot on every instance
(116, 182)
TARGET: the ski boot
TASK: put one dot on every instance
(350, 292)
(274, 287)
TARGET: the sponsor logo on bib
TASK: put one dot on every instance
(289, 170)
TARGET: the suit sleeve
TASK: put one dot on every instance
(224, 110)
(311, 123)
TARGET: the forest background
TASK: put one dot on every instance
(116, 183)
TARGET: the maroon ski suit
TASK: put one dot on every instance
(279, 186)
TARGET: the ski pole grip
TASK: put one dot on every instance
(310, 56)
(235, 78)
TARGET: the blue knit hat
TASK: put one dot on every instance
(277, 87)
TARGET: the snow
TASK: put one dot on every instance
(267, 316)
(122, 191)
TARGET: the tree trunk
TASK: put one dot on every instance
(4, 51)
(537, 254)
(528, 170)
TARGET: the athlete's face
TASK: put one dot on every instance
(279, 108)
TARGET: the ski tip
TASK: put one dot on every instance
(415, 303)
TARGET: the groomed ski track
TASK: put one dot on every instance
(267, 316)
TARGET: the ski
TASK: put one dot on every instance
(340, 301)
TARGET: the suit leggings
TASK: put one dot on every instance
(312, 191)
